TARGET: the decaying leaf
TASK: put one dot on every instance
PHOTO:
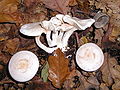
(114, 34)
(57, 5)
(98, 36)
(11, 45)
(8, 9)
(103, 87)
(84, 5)
(4, 58)
(44, 72)
(72, 3)
(110, 70)
(58, 68)
(7, 5)
(105, 69)
(83, 40)
(5, 18)
(116, 86)
(93, 80)
(116, 72)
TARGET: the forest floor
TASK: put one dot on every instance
(15, 13)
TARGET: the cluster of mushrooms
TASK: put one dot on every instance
(24, 64)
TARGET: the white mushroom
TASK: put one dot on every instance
(47, 49)
(23, 66)
(32, 29)
(78, 23)
(58, 30)
(35, 29)
(89, 57)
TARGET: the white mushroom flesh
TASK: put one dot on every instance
(32, 29)
(23, 66)
(58, 30)
(89, 57)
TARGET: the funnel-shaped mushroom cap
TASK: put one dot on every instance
(89, 57)
(32, 29)
(23, 66)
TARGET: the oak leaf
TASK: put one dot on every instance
(57, 5)
(58, 68)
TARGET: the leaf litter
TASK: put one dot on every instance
(61, 70)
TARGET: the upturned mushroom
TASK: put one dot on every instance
(89, 57)
(58, 30)
(101, 19)
(23, 66)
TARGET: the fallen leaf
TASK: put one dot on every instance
(84, 84)
(44, 72)
(73, 2)
(99, 33)
(83, 5)
(28, 3)
(115, 72)
(5, 18)
(8, 8)
(4, 57)
(57, 5)
(58, 68)
(74, 80)
(103, 87)
(83, 40)
(8, 4)
(105, 69)
(114, 34)
(93, 80)
(116, 86)
(37, 84)
(11, 45)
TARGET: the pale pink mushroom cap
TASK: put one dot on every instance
(89, 57)
(23, 66)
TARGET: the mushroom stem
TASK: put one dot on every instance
(47, 49)
(67, 36)
(59, 40)
(49, 41)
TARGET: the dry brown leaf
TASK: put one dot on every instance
(4, 58)
(93, 80)
(84, 5)
(57, 5)
(73, 2)
(8, 8)
(116, 72)
(11, 45)
(116, 86)
(8, 4)
(99, 33)
(5, 18)
(103, 87)
(105, 69)
(114, 34)
(58, 68)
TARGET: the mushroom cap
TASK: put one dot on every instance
(101, 20)
(23, 66)
(78, 23)
(89, 57)
(32, 29)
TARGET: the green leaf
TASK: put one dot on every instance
(44, 72)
